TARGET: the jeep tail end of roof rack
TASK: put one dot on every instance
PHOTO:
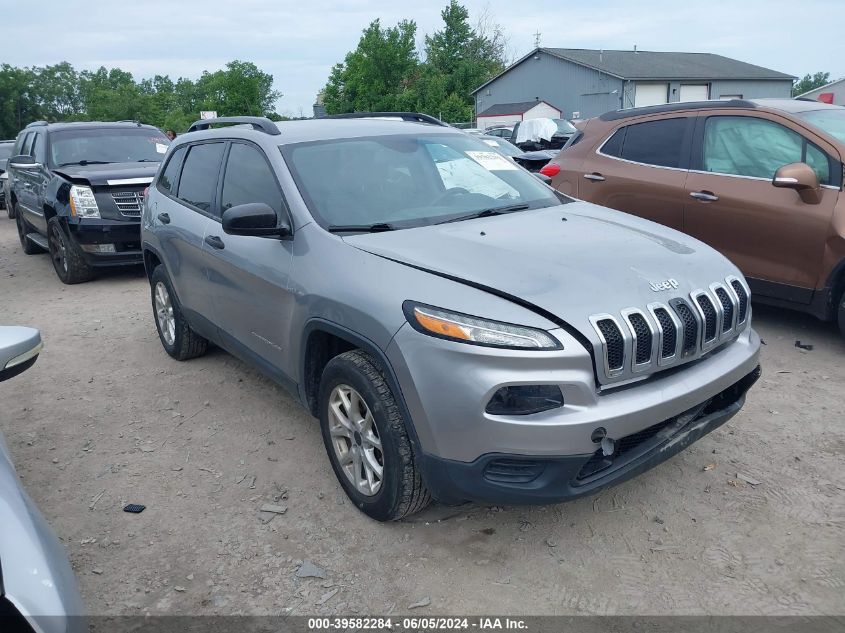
(260, 123)
(413, 117)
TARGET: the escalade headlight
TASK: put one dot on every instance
(83, 204)
(455, 326)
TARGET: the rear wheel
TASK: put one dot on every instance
(842, 313)
(67, 257)
(10, 209)
(29, 247)
(177, 337)
(367, 440)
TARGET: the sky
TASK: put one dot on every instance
(298, 42)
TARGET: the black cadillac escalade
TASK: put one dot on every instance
(76, 190)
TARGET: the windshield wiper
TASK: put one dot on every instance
(380, 227)
(486, 213)
(85, 162)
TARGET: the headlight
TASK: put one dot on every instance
(83, 204)
(455, 326)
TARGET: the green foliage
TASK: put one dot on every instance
(384, 72)
(810, 82)
(60, 93)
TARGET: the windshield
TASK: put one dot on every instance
(107, 145)
(406, 181)
(503, 147)
(831, 121)
(564, 126)
(6, 150)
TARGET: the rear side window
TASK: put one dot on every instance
(613, 146)
(198, 182)
(167, 180)
(26, 149)
(655, 142)
(248, 179)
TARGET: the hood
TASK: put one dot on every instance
(117, 173)
(573, 260)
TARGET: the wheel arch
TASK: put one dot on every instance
(322, 340)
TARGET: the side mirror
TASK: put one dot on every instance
(24, 161)
(543, 177)
(255, 219)
(801, 178)
(19, 347)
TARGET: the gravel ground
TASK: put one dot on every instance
(105, 418)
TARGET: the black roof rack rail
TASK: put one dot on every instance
(260, 123)
(615, 115)
(413, 117)
(37, 124)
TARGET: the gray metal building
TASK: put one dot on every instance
(583, 83)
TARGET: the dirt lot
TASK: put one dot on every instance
(105, 418)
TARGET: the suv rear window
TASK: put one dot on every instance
(198, 182)
(655, 142)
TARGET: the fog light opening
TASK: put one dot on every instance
(98, 248)
(525, 400)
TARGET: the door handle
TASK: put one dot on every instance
(704, 196)
(163, 218)
(595, 177)
(215, 242)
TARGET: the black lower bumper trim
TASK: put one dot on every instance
(125, 235)
(558, 480)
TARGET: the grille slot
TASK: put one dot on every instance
(128, 202)
(690, 326)
(727, 308)
(614, 342)
(743, 300)
(670, 333)
(642, 332)
(711, 320)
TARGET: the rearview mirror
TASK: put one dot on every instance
(800, 177)
(19, 347)
(24, 161)
(255, 219)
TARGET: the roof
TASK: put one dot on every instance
(823, 88)
(500, 109)
(784, 105)
(657, 65)
(83, 125)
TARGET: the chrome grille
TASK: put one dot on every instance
(666, 334)
(128, 202)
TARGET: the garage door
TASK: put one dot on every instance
(651, 94)
(695, 92)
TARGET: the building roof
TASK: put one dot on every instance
(821, 89)
(501, 109)
(657, 65)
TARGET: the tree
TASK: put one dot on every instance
(810, 82)
(376, 73)
(240, 89)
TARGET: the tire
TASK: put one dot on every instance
(66, 255)
(30, 248)
(176, 336)
(401, 490)
(842, 313)
(10, 211)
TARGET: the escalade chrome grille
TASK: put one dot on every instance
(666, 334)
(128, 202)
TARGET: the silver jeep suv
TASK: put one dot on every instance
(461, 330)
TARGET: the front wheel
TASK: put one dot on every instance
(367, 440)
(68, 261)
(177, 337)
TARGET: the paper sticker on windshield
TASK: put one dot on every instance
(161, 148)
(492, 161)
(491, 143)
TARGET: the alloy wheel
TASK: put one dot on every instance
(164, 314)
(58, 250)
(355, 439)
